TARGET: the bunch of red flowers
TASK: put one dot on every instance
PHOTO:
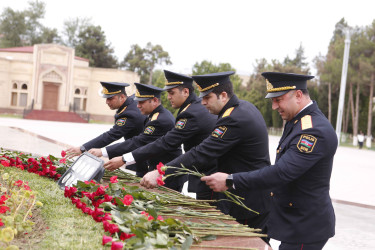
(41, 166)
(3, 207)
(95, 199)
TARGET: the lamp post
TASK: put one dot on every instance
(344, 72)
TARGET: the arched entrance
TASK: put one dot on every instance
(50, 96)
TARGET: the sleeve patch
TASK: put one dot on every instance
(155, 116)
(228, 112)
(219, 132)
(306, 122)
(149, 130)
(180, 124)
(121, 122)
(306, 143)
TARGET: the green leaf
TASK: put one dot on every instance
(187, 243)
(208, 237)
(161, 238)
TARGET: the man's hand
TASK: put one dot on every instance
(114, 163)
(73, 151)
(96, 151)
(216, 181)
(149, 180)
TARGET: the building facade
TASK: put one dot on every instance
(51, 77)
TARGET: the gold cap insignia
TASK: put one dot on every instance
(106, 92)
(207, 88)
(270, 87)
(173, 83)
(137, 94)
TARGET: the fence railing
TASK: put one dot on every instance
(84, 115)
(28, 109)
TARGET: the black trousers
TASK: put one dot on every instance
(303, 246)
(258, 221)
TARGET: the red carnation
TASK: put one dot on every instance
(117, 245)
(5, 163)
(106, 239)
(128, 199)
(125, 236)
(113, 179)
(63, 153)
(160, 168)
(160, 180)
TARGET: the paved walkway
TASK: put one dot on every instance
(352, 182)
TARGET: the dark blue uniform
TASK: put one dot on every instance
(193, 124)
(128, 123)
(302, 210)
(239, 143)
(158, 123)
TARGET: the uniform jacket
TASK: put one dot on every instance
(239, 143)
(158, 123)
(301, 210)
(128, 123)
(193, 124)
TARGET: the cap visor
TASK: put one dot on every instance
(170, 86)
(204, 93)
(276, 94)
(140, 99)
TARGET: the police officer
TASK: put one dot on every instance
(159, 122)
(239, 143)
(128, 119)
(302, 216)
(193, 124)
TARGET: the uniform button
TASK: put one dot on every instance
(277, 151)
(271, 193)
(290, 205)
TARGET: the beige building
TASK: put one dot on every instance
(51, 77)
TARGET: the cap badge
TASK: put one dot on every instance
(207, 88)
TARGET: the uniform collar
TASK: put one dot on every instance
(306, 110)
(128, 101)
(157, 109)
(191, 98)
(233, 101)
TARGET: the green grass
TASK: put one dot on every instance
(11, 116)
(68, 227)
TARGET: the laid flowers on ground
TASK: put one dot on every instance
(185, 171)
(127, 211)
(49, 166)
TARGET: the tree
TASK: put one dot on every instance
(144, 60)
(23, 28)
(93, 46)
(12, 28)
(72, 28)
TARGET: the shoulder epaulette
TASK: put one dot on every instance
(155, 116)
(122, 110)
(228, 112)
(306, 122)
(186, 107)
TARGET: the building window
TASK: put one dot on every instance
(23, 99)
(14, 99)
(19, 96)
(80, 99)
